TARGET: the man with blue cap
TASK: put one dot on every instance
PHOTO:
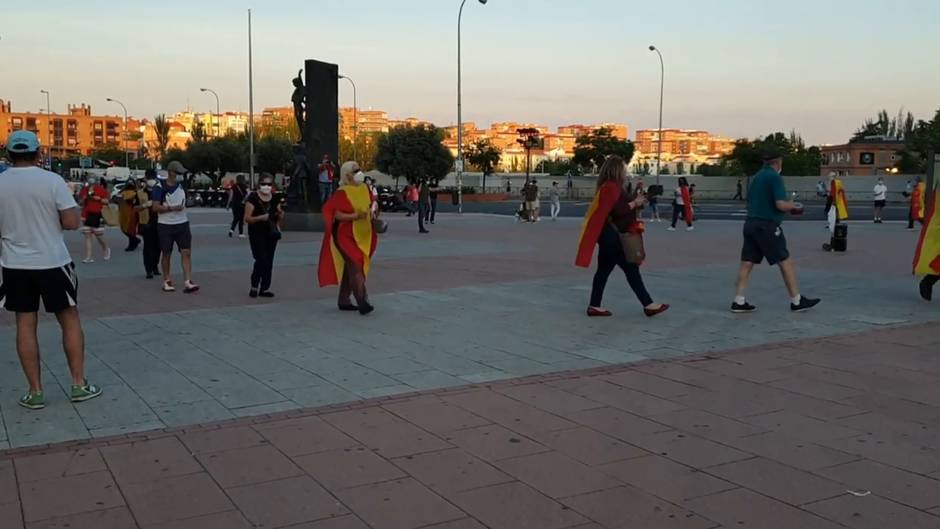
(35, 207)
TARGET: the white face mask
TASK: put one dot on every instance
(151, 183)
(359, 177)
(265, 189)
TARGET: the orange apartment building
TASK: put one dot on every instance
(76, 133)
(696, 146)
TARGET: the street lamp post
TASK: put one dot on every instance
(218, 111)
(48, 128)
(460, 115)
(127, 162)
(662, 84)
(355, 115)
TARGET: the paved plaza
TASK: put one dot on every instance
(479, 395)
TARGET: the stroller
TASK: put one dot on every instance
(521, 214)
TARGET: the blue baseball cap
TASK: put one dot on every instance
(23, 141)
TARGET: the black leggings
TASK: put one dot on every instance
(609, 256)
(151, 248)
(679, 211)
(238, 219)
(263, 246)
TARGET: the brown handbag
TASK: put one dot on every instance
(633, 249)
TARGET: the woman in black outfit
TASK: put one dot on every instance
(264, 214)
(236, 201)
(622, 218)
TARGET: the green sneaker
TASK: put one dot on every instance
(85, 392)
(33, 401)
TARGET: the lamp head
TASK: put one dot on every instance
(109, 100)
(652, 48)
(203, 89)
(342, 76)
(483, 2)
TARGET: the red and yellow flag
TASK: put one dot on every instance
(594, 221)
(686, 203)
(837, 192)
(919, 201)
(356, 240)
(927, 256)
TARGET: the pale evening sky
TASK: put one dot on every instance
(734, 67)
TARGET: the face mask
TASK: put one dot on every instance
(359, 177)
(265, 189)
(151, 183)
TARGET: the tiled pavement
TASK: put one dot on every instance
(801, 425)
(816, 434)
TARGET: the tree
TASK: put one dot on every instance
(203, 157)
(680, 168)
(273, 154)
(414, 152)
(108, 152)
(162, 128)
(363, 149)
(746, 158)
(924, 138)
(899, 127)
(484, 156)
(594, 148)
(199, 132)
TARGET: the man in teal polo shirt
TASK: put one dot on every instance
(767, 202)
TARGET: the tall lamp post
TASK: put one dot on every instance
(218, 111)
(127, 162)
(460, 115)
(48, 128)
(355, 115)
(662, 84)
(251, 111)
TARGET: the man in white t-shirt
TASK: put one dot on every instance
(881, 198)
(169, 202)
(35, 207)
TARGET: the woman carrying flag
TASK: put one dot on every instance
(612, 214)
(349, 241)
(927, 256)
(682, 205)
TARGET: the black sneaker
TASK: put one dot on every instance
(742, 308)
(253, 293)
(804, 304)
(266, 294)
(365, 309)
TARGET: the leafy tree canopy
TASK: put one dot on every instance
(594, 148)
(414, 153)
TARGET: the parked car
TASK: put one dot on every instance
(389, 199)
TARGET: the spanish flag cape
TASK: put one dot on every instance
(919, 201)
(837, 192)
(687, 203)
(927, 256)
(356, 239)
(594, 221)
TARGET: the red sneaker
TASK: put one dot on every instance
(598, 313)
(653, 312)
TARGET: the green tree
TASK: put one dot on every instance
(924, 138)
(273, 154)
(203, 157)
(899, 127)
(484, 156)
(109, 152)
(414, 153)
(680, 168)
(746, 158)
(592, 149)
(363, 150)
(199, 132)
(162, 128)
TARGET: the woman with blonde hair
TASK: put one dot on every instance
(349, 241)
(613, 215)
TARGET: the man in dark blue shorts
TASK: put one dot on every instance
(763, 237)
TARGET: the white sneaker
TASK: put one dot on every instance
(168, 286)
(670, 228)
(107, 254)
(242, 236)
(88, 261)
(690, 228)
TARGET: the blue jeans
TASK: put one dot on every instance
(326, 189)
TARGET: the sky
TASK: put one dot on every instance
(734, 67)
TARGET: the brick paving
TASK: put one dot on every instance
(762, 437)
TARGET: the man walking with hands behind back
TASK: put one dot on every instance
(169, 201)
(763, 237)
(35, 207)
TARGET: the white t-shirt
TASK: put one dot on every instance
(678, 194)
(176, 198)
(30, 228)
(881, 192)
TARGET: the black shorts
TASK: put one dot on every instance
(21, 290)
(764, 239)
(880, 203)
(93, 221)
(177, 235)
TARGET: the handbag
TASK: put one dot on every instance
(379, 226)
(633, 249)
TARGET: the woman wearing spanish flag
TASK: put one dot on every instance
(349, 240)
(926, 207)
(613, 214)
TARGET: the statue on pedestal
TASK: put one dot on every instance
(299, 99)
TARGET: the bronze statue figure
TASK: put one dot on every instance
(299, 98)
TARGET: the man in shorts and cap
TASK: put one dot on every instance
(35, 207)
(767, 202)
(169, 202)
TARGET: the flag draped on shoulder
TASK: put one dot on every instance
(839, 201)
(927, 256)
(687, 203)
(355, 240)
(594, 221)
